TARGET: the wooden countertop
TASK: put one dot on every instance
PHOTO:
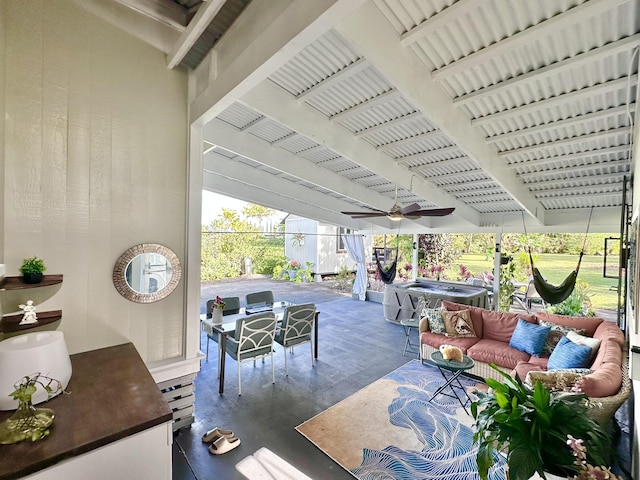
(113, 396)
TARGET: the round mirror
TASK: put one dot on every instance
(146, 273)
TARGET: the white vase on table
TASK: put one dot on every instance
(216, 316)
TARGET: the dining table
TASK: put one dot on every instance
(228, 327)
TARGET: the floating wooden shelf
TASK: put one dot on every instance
(10, 323)
(16, 283)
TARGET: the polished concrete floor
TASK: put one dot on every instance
(356, 347)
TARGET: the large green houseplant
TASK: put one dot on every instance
(532, 425)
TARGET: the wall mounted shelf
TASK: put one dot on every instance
(13, 292)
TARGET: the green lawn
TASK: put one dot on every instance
(556, 267)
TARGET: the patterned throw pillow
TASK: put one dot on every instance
(458, 324)
(556, 333)
(565, 380)
(434, 317)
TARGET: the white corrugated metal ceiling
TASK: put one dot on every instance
(504, 109)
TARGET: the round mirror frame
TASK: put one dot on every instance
(120, 268)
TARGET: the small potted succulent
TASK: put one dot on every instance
(32, 269)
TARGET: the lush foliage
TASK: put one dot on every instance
(436, 254)
(532, 426)
(507, 287)
(32, 265)
(343, 280)
(232, 237)
(578, 304)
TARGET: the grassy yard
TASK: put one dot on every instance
(556, 267)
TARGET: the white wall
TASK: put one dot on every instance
(329, 259)
(307, 252)
(95, 162)
(3, 30)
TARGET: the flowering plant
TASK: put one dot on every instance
(218, 304)
(292, 265)
(586, 471)
(436, 271)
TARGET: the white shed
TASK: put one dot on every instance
(319, 243)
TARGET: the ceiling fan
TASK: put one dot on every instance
(397, 213)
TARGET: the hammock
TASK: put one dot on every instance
(387, 275)
(554, 294)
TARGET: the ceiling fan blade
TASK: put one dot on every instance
(365, 213)
(409, 208)
(432, 212)
(368, 215)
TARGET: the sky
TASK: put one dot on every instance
(212, 204)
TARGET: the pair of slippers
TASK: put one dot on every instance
(222, 441)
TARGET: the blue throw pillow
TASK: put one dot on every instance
(568, 355)
(529, 337)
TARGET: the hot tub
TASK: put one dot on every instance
(401, 300)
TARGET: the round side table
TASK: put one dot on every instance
(408, 324)
(455, 369)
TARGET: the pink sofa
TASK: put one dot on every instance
(607, 384)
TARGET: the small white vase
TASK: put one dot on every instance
(216, 316)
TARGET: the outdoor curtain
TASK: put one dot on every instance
(355, 247)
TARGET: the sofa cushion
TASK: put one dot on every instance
(435, 340)
(592, 343)
(606, 378)
(458, 323)
(523, 368)
(499, 326)
(609, 331)
(589, 324)
(434, 317)
(529, 337)
(500, 353)
(569, 355)
(557, 332)
(476, 314)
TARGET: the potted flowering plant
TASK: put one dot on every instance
(292, 268)
(216, 310)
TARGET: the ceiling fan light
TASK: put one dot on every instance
(395, 216)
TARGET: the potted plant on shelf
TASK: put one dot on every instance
(532, 427)
(32, 270)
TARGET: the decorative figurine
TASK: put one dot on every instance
(29, 313)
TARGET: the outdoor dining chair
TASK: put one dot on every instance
(231, 307)
(253, 337)
(296, 329)
(265, 297)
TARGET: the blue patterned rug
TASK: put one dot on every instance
(390, 430)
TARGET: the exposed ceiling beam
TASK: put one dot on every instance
(570, 156)
(558, 100)
(165, 11)
(198, 24)
(221, 133)
(396, 122)
(340, 75)
(556, 23)
(567, 122)
(226, 182)
(267, 34)
(410, 140)
(271, 100)
(372, 36)
(581, 170)
(562, 182)
(157, 34)
(539, 74)
(579, 140)
(449, 14)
